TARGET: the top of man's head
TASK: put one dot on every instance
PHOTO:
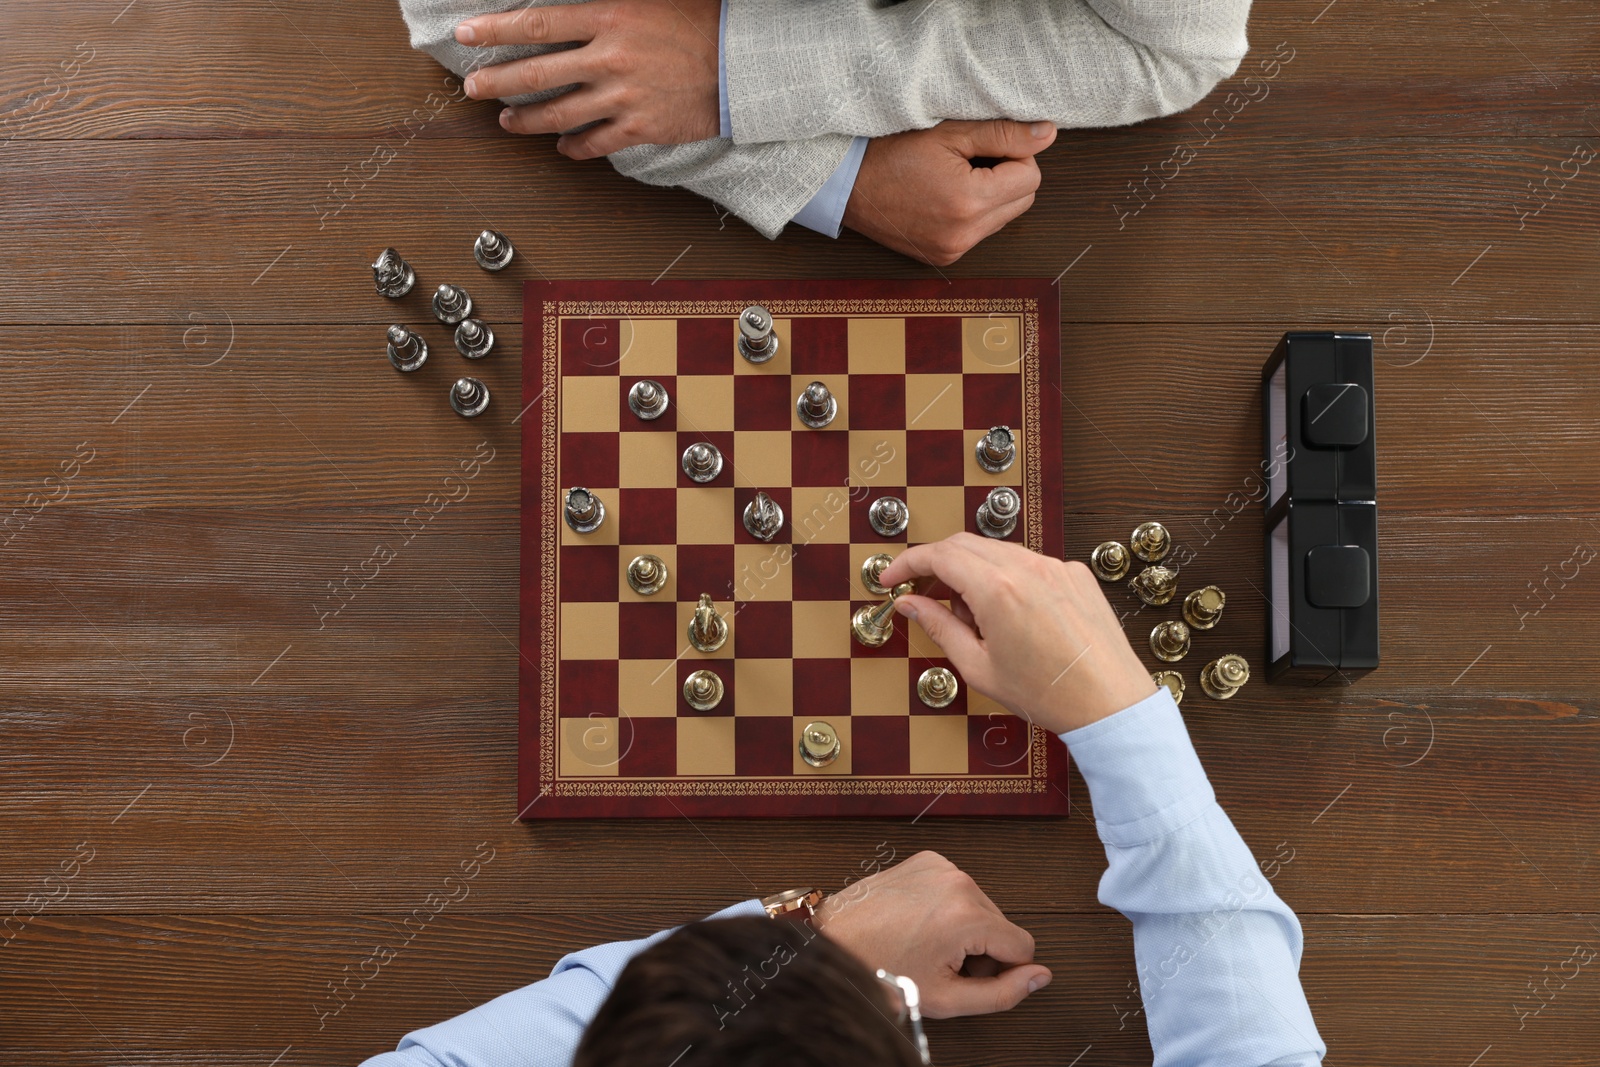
(751, 992)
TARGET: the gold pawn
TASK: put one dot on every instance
(1224, 676)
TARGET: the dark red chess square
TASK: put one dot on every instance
(648, 516)
(821, 684)
(648, 630)
(914, 668)
(880, 745)
(588, 687)
(763, 630)
(723, 439)
(935, 457)
(648, 747)
(705, 569)
(590, 346)
(666, 422)
(861, 531)
(987, 400)
(976, 494)
(722, 668)
(898, 646)
(763, 746)
(588, 459)
(588, 573)
(782, 495)
(821, 572)
(819, 346)
(997, 744)
(877, 401)
(762, 402)
(933, 345)
(706, 346)
(819, 457)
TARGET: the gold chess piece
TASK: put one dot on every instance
(1156, 585)
(707, 629)
(871, 568)
(1151, 542)
(873, 625)
(1173, 681)
(703, 690)
(1110, 561)
(647, 574)
(819, 744)
(1203, 607)
(1224, 676)
(937, 687)
(1170, 641)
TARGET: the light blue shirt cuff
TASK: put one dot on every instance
(825, 211)
(722, 72)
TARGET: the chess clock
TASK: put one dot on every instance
(1320, 459)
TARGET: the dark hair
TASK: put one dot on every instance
(747, 992)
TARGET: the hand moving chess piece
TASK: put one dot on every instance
(702, 461)
(707, 629)
(703, 690)
(889, 516)
(1203, 607)
(757, 342)
(584, 511)
(474, 338)
(1110, 561)
(996, 450)
(391, 275)
(816, 406)
(469, 397)
(1150, 542)
(763, 517)
(1224, 676)
(998, 514)
(492, 250)
(451, 304)
(873, 625)
(407, 351)
(648, 399)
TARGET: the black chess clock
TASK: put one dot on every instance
(1320, 457)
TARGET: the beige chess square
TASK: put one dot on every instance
(589, 631)
(821, 629)
(877, 457)
(731, 617)
(991, 344)
(705, 745)
(880, 686)
(838, 385)
(976, 475)
(933, 402)
(876, 346)
(820, 513)
(841, 727)
(938, 744)
(705, 515)
(978, 704)
(607, 533)
(705, 403)
(763, 572)
(778, 364)
(937, 511)
(761, 458)
(647, 689)
(648, 459)
(649, 347)
(590, 403)
(588, 748)
(669, 556)
(763, 687)
(858, 556)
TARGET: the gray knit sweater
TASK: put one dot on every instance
(805, 76)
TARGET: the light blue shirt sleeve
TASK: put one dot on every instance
(1218, 952)
(538, 1025)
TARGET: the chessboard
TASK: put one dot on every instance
(919, 372)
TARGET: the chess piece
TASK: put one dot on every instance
(703, 690)
(647, 574)
(873, 625)
(1110, 561)
(584, 511)
(1150, 542)
(998, 514)
(871, 569)
(492, 250)
(816, 406)
(763, 517)
(708, 631)
(996, 450)
(451, 304)
(391, 275)
(702, 461)
(469, 397)
(757, 342)
(937, 687)
(1169, 641)
(1173, 681)
(647, 399)
(819, 744)
(889, 516)
(474, 338)
(407, 351)
(1203, 607)
(1224, 676)
(1155, 585)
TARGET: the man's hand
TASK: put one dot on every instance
(919, 194)
(1034, 633)
(927, 920)
(645, 70)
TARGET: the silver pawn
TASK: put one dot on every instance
(816, 406)
(584, 511)
(997, 515)
(647, 399)
(469, 397)
(474, 338)
(702, 461)
(996, 450)
(492, 250)
(391, 275)
(889, 516)
(763, 517)
(757, 342)
(407, 351)
(451, 304)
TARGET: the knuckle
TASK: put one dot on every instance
(533, 22)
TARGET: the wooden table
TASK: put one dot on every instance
(225, 802)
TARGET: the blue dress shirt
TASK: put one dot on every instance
(1218, 953)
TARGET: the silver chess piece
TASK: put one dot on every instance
(757, 342)
(708, 630)
(763, 517)
(451, 304)
(492, 250)
(391, 275)
(819, 744)
(474, 338)
(872, 570)
(702, 461)
(937, 687)
(998, 514)
(889, 516)
(996, 450)
(816, 406)
(647, 399)
(407, 351)
(469, 397)
(585, 512)
(703, 690)
(647, 574)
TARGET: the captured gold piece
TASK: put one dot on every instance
(1173, 681)
(1223, 677)
(647, 574)
(1110, 561)
(873, 625)
(1170, 641)
(707, 629)
(1151, 542)
(1203, 607)
(703, 690)
(871, 568)
(1155, 585)
(937, 687)
(819, 744)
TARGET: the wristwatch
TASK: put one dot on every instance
(796, 905)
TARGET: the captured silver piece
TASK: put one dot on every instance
(937, 687)
(1155, 585)
(708, 630)
(702, 461)
(873, 624)
(474, 338)
(763, 517)
(1224, 676)
(451, 304)
(998, 514)
(647, 399)
(407, 351)
(819, 744)
(1169, 641)
(492, 250)
(584, 511)
(757, 342)
(1173, 682)
(647, 574)
(996, 450)
(391, 275)
(1203, 607)
(871, 570)
(1110, 561)
(816, 406)
(889, 516)
(469, 397)
(1150, 542)
(703, 690)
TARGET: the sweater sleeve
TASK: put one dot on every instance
(873, 67)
